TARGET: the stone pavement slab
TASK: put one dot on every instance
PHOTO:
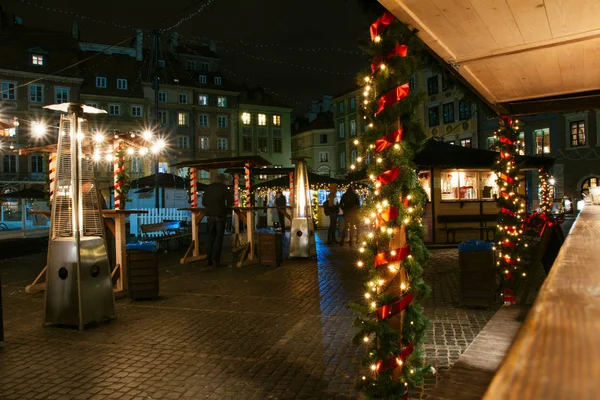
(218, 333)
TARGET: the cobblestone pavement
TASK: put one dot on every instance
(251, 333)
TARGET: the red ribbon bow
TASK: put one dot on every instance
(388, 140)
(386, 216)
(394, 308)
(388, 176)
(379, 25)
(391, 363)
(386, 257)
(399, 50)
(392, 97)
(506, 140)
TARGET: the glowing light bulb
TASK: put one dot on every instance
(358, 159)
(143, 151)
(147, 135)
(406, 221)
(396, 146)
(130, 151)
(402, 286)
(382, 66)
(379, 160)
(366, 339)
(390, 231)
(355, 142)
(353, 167)
(373, 304)
(38, 128)
(367, 295)
(377, 39)
(96, 157)
(367, 79)
(109, 157)
(373, 367)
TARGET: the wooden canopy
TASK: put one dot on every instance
(223, 162)
(521, 56)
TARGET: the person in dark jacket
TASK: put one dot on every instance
(281, 201)
(217, 201)
(332, 209)
(350, 203)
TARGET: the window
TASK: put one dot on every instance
(222, 144)
(122, 84)
(262, 145)
(204, 142)
(492, 143)
(221, 101)
(203, 120)
(182, 118)
(136, 111)
(276, 120)
(183, 142)
(9, 90)
(577, 133)
(323, 138)
(353, 156)
(488, 185)
(204, 174)
(183, 98)
(163, 117)
(521, 144)
(136, 164)
(542, 140)
(452, 142)
(247, 143)
(203, 79)
(432, 85)
(434, 116)
(222, 121)
(466, 143)
(447, 83)
(324, 156)
(101, 82)
(191, 64)
(277, 145)
(217, 80)
(162, 97)
(262, 119)
(95, 105)
(37, 59)
(246, 118)
(448, 113)
(342, 159)
(203, 100)
(353, 128)
(342, 130)
(204, 66)
(114, 109)
(425, 181)
(9, 163)
(353, 103)
(464, 185)
(464, 110)
(36, 93)
(37, 165)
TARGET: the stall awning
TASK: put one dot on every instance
(316, 181)
(223, 162)
(521, 56)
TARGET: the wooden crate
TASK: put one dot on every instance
(270, 249)
(143, 274)
(477, 278)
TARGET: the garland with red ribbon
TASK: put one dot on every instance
(392, 97)
(388, 140)
(388, 176)
(399, 50)
(393, 362)
(381, 23)
(386, 257)
(388, 310)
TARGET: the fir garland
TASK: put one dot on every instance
(122, 193)
(393, 215)
(546, 200)
(315, 208)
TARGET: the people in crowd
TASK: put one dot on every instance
(350, 204)
(331, 209)
(217, 201)
(281, 201)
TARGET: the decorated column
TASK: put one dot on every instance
(392, 323)
(291, 188)
(512, 209)
(120, 175)
(51, 176)
(193, 188)
(546, 198)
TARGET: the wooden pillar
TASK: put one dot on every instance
(120, 252)
(118, 168)
(193, 188)
(52, 177)
(249, 214)
(236, 203)
(291, 190)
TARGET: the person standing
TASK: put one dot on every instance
(331, 209)
(217, 201)
(281, 203)
(350, 203)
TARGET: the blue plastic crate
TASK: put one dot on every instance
(149, 246)
(475, 245)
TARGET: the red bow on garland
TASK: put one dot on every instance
(506, 211)
(389, 310)
(399, 50)
(388, 176)
(391, 363)
(506, 140)
(386, 141)
(386, 216)
(379, 25)
(386, 257)
(507, 178)
(392, 97)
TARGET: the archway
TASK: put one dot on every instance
(585, 183)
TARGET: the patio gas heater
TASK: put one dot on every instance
(78, 283)
(302, 232)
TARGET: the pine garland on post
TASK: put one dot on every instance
(315, 207)
(392, 324)
(509, 246)
(546, 200)
(121, 176)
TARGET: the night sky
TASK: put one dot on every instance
(297, 49)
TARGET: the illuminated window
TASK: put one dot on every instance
(488, 185)
(425, 181)
(203, 100)
(262, 119)
(182, 118)
(577, 133)
(542, 140)
(466, 142)
(521, 144)
(276, 120)
(459, 185)
(37, 59)
(246, 118)
(221, 101)
(353, 128)
(204, 142)
(324, 156)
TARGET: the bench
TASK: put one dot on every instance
(482, 219)
(167, 230)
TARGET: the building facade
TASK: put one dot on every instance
(316, 141)
(348, 124)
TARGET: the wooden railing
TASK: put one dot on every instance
(556, 354)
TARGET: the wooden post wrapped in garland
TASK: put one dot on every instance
(392, 324)
(51, 176)
(546, 200)
(512, 209)
(193, 188)
(121, 178)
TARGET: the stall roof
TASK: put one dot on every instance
(223, 162)
(445, 155)
(262, 171)
(313, 179)
(515, 53)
